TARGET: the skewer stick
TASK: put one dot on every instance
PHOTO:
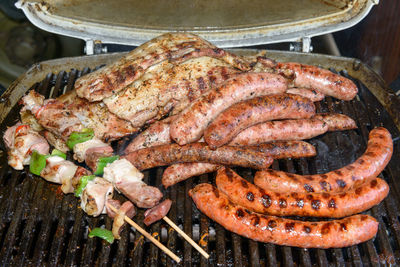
(185, 236)
(146, 234)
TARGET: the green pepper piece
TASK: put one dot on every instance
(102, 233)
(59, 153)
(79, 137)
(82, 184)
(37, 162)
(102, 162)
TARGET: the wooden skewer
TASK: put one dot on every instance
(185, 236)
(146, 234)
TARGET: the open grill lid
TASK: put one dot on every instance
(225, 23)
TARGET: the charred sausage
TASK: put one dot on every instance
(369, 165)
(197, 152)
(277, 150)
(280, 130)
(311, 94)
(191, 122)
(325, 81)
(253, 111)
(333, 205)
(323, 234)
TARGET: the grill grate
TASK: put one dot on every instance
(41, 226)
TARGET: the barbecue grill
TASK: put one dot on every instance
(40, 226)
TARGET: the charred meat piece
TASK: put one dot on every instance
(95, 196)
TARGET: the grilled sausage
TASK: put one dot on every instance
(277, 150)
(323, 234)
(369, 165)
(336, 122)
(197, 152)
(335, 205)
(157, 134)
(191, 122)
(157, 213)
(280, 130)
(253, 111)
(311, 94)
(324, 81)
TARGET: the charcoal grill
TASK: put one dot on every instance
(40, 226)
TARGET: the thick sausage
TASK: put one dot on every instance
(369, 165)
(311, 94)
(197, 152)
(191, 123)
(157, 134)
(334, 205)
(253, 111)
(325, 81)
(182, 171)
(280, 130)
(323, 234)
(157, 213)
(336, 122)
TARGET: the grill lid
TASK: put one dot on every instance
(225, 23)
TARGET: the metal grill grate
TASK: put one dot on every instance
(41, 226)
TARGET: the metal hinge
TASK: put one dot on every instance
(304, 45)
(94, 47)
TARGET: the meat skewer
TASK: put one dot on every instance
(160, 212)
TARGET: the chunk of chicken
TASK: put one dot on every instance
(95, 195)
(60, 171)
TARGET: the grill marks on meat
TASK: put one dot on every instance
(323, 234)
(114, 77)
(69, 113)
(334, 205)
(197, 152)
(369, 165)
(191, 123)
(168, 88)
(242, 115)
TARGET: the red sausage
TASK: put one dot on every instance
(151, 157)
(369, 165)
(280, 130)
(253, 111)
(333, 205)
(157, 213)
(323, 234)
(325, 81)
(277, 150)
(191, 123)
(311, 94)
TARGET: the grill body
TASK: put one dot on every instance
(40, 226)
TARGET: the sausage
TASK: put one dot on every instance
(286, 149)
(277, 150)
(197, 152)
(280, 130)
(157, 213)
(322, 80)
(156, 134)
(126, 209)
(336, 122)
(323, 234)
(334, 205)
(311, 94)
(253, 111)
(369, 165)
(191, 122)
